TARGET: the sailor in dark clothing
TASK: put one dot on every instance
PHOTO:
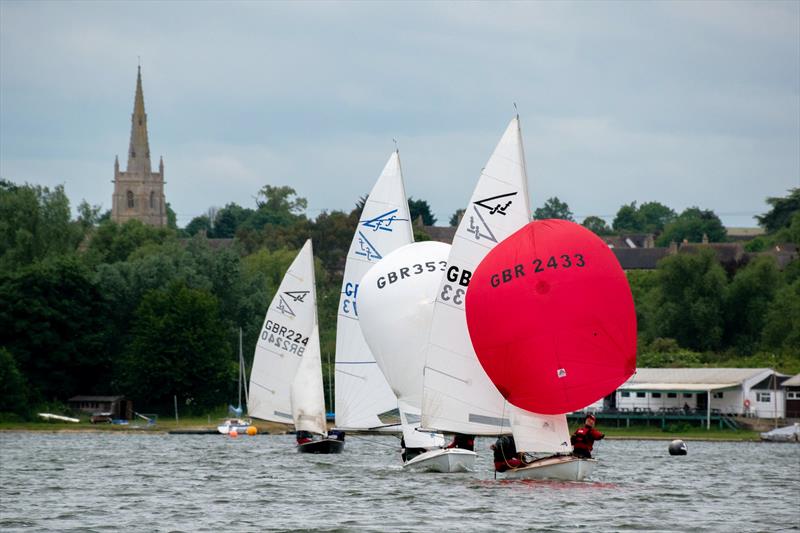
(409, 453)
(505, 454)
(584, 437)
(303, 437)
(465, 442)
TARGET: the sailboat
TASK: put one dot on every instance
(362, 392)
(458, 396)
(551, 317)
(286, 379)
(396, 300)
(237, 424)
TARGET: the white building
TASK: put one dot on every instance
(735, 391)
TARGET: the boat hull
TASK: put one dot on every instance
(443, 460)
(321, 446)
(560, 467)
(241, 429)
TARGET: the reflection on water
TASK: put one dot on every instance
(149, 482)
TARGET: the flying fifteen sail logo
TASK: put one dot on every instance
(480, 229)
(496, 204)
(383, 222)
(297, 296)
(366, 249)
(284, 308)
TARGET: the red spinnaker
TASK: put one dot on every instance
(551, 317)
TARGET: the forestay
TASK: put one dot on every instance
(457, 394)
(283, 341)
(362, 392)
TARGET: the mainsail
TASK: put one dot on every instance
(362, 392)
(457, 394)
(284, 339)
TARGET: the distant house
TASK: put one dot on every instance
(734, 391)
(116, 407)
(791, 388)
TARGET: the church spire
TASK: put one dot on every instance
(139, 151)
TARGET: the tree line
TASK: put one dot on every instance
(88, 306)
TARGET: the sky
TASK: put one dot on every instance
(685, 103)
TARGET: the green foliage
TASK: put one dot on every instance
(13, 389)
(456, 217)
(691, 225)
(88, 215)
(666, 353)
(34, 224)
(553, 208)
(596, 225)
(651, 217)
(180, 346)
(228, 220)
(172, 218)
(53, 320)
(115, 242)
(688, 303)
(420, 208)
(782, 212)
(198, 224)
(746, 301)
(782, 322)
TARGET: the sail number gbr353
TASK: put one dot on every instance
(286, 339)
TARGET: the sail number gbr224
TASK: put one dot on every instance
(538, 265)
(286, 339)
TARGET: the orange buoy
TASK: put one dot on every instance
(252, 430)
(233, 433)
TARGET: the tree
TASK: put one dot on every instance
(115, 242)
(456, 218)
(553, 208)
(13, 389)
(692, 225)
(172, 218)
(783, 209)
(628, 219)
(655, 216)
(746, 302)
(179, 347)
(35, 223)
(782, 322)
(199, 224)
(88, 215)
(689, 300)
(417, 208)
(597, 225)
(279, 206)
(228, 219)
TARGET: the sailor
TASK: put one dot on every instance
(465, 442)
(409, 453)
(505, 454)
(584, 437)
(303, 437)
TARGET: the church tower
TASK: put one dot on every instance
(138, 191)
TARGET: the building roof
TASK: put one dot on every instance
(96, 398)
(690, 379)
(768, 384)
(640, 258)
(443, 234)
(793, 381)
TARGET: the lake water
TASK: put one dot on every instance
(157, 482)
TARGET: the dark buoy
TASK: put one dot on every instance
(677, 447)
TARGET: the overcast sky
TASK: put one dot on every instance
(686, 103)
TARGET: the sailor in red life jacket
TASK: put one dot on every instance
(303, 437)
(465, 442)
(505, 454)
(584, 437)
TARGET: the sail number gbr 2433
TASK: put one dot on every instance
(284, 338)
(555, 262)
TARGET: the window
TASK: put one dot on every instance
(152, 200)
(626, 394)
(130, 199)
(717, 395)
(655, 394)
(792, 395)
(672, 395)
(763, 397)
(640, 394)
(687, 394)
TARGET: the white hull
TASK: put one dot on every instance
(447, 460)
(240, 426)
(561, 467)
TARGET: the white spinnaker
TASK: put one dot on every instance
(396, 301)
(457, 394)
(308, 397)
(362, 392)
(284, 338)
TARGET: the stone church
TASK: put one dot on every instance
(138, 191)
